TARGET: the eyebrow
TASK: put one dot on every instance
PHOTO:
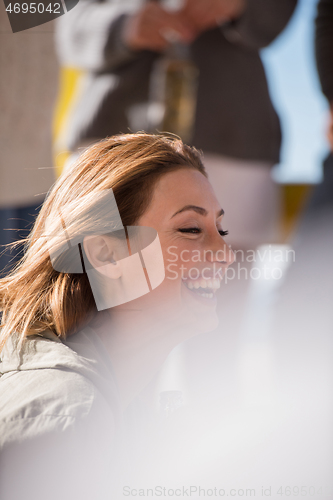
(199, 210)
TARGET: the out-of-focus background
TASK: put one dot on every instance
(257, 392)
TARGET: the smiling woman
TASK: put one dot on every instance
(70, 366)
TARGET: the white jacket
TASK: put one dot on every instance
(59, 420)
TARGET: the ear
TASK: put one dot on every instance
(101, 255)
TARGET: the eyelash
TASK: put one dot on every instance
(196, 230)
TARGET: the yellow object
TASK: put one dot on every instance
(69, 85)
(294, 199)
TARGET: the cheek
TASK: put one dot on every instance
(177, 262)
(171, 261)
(181, 265)
(179, 255)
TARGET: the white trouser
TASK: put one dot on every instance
(249, 197)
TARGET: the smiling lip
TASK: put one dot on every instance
(205, 288)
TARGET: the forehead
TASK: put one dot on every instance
(184, 186)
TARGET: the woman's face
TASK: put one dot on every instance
(188, 219)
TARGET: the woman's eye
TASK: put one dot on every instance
(197, 230)
(191, 230)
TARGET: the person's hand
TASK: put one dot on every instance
(205, 14)
(152, 28)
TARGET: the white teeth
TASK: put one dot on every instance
(212, 284)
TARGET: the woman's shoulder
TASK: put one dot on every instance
(47, 388)
(43, 401)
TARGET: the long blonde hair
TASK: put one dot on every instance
(35, 297)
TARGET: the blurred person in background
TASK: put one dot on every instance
(28, 90)
(114, 46)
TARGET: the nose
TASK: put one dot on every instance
(230, 256)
